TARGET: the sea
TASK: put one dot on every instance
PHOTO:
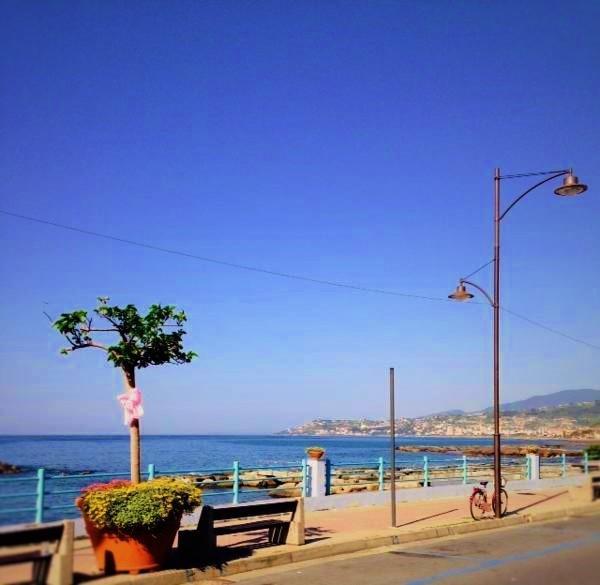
(82, 455)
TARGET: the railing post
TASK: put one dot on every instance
(40, 493)
(151, 471)
(564, 464)
(381, 473)
(236, 482)
(319, 471)
(465, 470)
(586, 462)
(534, 466)
(425, 471)
(304, 478)
(527, 467)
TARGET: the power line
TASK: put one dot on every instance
(224, 262)
(285, 274)
(550, 329)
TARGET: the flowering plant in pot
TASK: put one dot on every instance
(132, 526)
(315, 452)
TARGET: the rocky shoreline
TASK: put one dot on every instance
(8, 468)
(482, 451)
(288, 483)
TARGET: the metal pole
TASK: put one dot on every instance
(497, 448)
(393, 450)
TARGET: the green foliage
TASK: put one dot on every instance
(141, 339)
(127, 509)
(593, 452)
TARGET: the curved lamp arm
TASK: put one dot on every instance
(481, 290)
(558, 174)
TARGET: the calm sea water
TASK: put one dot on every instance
(61, 455)
(76, 453)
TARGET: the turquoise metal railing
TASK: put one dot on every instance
(46, 496)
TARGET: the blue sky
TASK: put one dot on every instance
(346, 141)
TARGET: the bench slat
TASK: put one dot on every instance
(25, 557)
(257, 509)
(248, 526)
(35, 535)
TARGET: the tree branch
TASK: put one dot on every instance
(89, 344)
(117, 328)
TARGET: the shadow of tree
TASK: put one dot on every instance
(428, 517)
(537, 502)
(239, 549)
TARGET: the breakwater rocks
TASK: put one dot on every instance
(7, 468)
(507, 450)
(288, 483)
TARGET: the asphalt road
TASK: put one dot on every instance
(556, 553)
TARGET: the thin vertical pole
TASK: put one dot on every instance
(40, 494)
(151, 471)
(381, 474)
(236, 482)
(497, 447)
(425, 471)
(586, 462)
(564, 464)
(392, 449)
(465, 470)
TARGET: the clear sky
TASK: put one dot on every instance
(349, 141)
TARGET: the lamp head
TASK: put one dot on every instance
(461, 293)
(571, 186)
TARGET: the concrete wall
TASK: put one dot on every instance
(430, 493)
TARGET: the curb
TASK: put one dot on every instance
(213, 575)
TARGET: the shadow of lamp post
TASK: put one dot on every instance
(570, 186)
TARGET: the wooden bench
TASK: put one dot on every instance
(284, 520)
(588, 491)
(48, 547)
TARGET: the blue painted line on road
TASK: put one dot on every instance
(494, 563)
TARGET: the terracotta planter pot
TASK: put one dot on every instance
(315, 453)
(142, 552)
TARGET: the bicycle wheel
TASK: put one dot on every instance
(478, 504)
(503, 503)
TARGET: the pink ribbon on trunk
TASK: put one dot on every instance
(132, 405)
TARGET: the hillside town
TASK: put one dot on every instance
(580, 422)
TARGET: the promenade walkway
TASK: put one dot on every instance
(327, 531)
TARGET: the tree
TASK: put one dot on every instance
(141, 341)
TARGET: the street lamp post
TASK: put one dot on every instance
(571, 186)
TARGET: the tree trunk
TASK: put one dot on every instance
(134, 432)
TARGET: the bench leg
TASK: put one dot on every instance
(39, 571)
(202, 542)
(278, 534)
(295, 532)
(61, 565)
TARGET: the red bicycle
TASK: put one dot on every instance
(480, 505)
